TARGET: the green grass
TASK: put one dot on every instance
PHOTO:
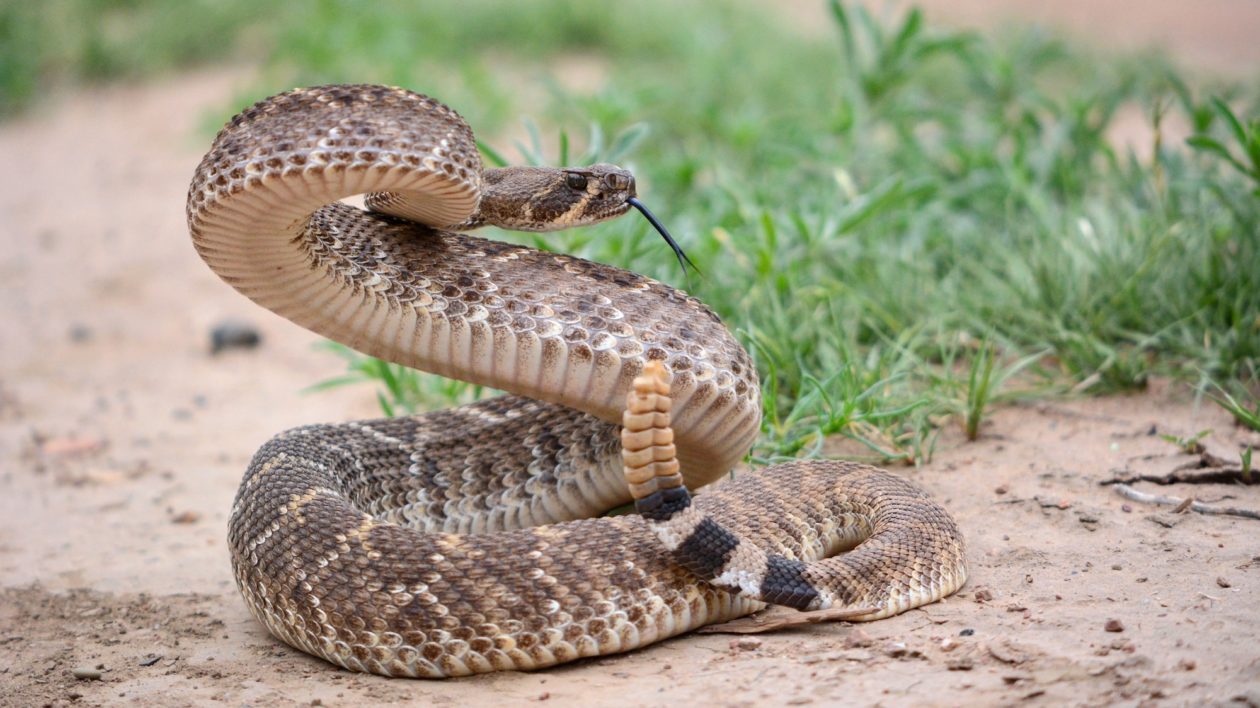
(904, 225)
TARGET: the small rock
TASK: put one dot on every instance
(80, 333)
(1222, 582)
(747, 643)
(949, 644)
(967, 632)
(1117, 566)
(151, 660)
(983, 595)
(895, 649)
(1114, 625)
(1250, 699)
(86, 673)
(962, 663)
(1126, 508)
(233, 334)
(1187, 664)
(857, 638)
(1000, 490)
(186, 517)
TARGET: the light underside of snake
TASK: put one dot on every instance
(459, 541)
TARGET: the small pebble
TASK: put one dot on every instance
(1114, 625)
(948, 644)
(983, 595)
(1001, 490)
(1126, 508)
(151, 660)
(857, 638)
(962, 663)
(86, 673)
(80, 333)
(186, 517)
(233, 334)
(1222, 582)
(1187, 664)
(748, 643)
(967, 632)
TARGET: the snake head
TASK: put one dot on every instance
(553, 198)
(602, 191)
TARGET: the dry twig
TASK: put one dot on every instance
(1128, 492)
(774, 618)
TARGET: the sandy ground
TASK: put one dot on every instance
(1216, 36)
(122, 440)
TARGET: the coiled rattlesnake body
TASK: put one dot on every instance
(458, 541)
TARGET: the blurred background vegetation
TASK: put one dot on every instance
(903, 224)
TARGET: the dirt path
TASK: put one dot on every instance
(1216, 36)
(122, 441)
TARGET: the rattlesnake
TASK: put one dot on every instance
(457, 542)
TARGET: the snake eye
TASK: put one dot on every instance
(617, 181)
(575, 180)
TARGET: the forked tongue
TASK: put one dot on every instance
(683, 260)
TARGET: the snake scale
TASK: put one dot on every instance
(469, 540)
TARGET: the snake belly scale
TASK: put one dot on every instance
(462, 541)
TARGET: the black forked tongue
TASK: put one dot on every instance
(683, 260)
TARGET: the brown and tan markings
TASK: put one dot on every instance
(462, 541)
